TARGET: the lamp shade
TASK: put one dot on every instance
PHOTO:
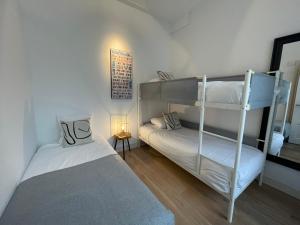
(118, 123)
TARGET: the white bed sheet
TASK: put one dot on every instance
(217, 159)
(173, 143)
(53, 157)
(226, 92)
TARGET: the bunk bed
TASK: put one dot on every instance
(222, 162)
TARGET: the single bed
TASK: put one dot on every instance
(217, 157)
(86, 184)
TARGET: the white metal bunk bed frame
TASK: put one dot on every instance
(243, 108)
(286, 107)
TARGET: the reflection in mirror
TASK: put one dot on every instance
(286, 124)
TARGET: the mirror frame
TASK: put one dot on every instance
(275, 65)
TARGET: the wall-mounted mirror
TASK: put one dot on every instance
(285, 147)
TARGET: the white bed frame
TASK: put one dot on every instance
(286, 106)
(242, 108)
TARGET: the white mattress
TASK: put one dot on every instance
(53, 157)
(226, 92)
(173, 143)
(217, 159)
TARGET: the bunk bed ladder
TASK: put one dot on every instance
(286, 110)
(246, 93)
(201, 122)
(268, 136)
(139, 122)
(282, 128)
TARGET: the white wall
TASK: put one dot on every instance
(68, 45)
(17, 135)
(283, 178)
(229, 37)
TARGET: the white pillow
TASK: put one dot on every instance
(223, 91)
(69, 118)
(277, 143)
(159, 122)
(154, 80)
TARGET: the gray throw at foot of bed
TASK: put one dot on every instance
(100, 192)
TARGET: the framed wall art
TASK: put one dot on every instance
(121, 74)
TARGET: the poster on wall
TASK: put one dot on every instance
(121, 74)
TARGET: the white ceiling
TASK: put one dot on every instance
(139, 4)
(171, 14)
(167, 12)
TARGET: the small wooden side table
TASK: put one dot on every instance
(122, 137)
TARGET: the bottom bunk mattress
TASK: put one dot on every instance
(217, 157)
(101, 191)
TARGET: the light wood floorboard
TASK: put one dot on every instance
(194, 203)
(291, 152)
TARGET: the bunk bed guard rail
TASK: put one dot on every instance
(185, 91)
(179, 91)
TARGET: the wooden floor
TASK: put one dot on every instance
(291, 152)
(193, 202)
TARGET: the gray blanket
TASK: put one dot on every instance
(104, 191)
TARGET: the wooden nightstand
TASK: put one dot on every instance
(122, 136)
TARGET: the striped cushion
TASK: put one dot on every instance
(164, 76)
(172, 121)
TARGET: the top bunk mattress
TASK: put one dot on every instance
(218, 155)
(225, 92)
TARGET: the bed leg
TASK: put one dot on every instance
(261, 178)
(138, 144)
(230, 210)
(116, 142)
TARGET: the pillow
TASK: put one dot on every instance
(277, 143)
(172, 121)
(76, 132)
(164, 76)
(154, 80)
(159, 122)
(69, 118)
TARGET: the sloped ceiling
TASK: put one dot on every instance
(139, 4)
(172, 14)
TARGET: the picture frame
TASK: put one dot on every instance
(121, 74)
